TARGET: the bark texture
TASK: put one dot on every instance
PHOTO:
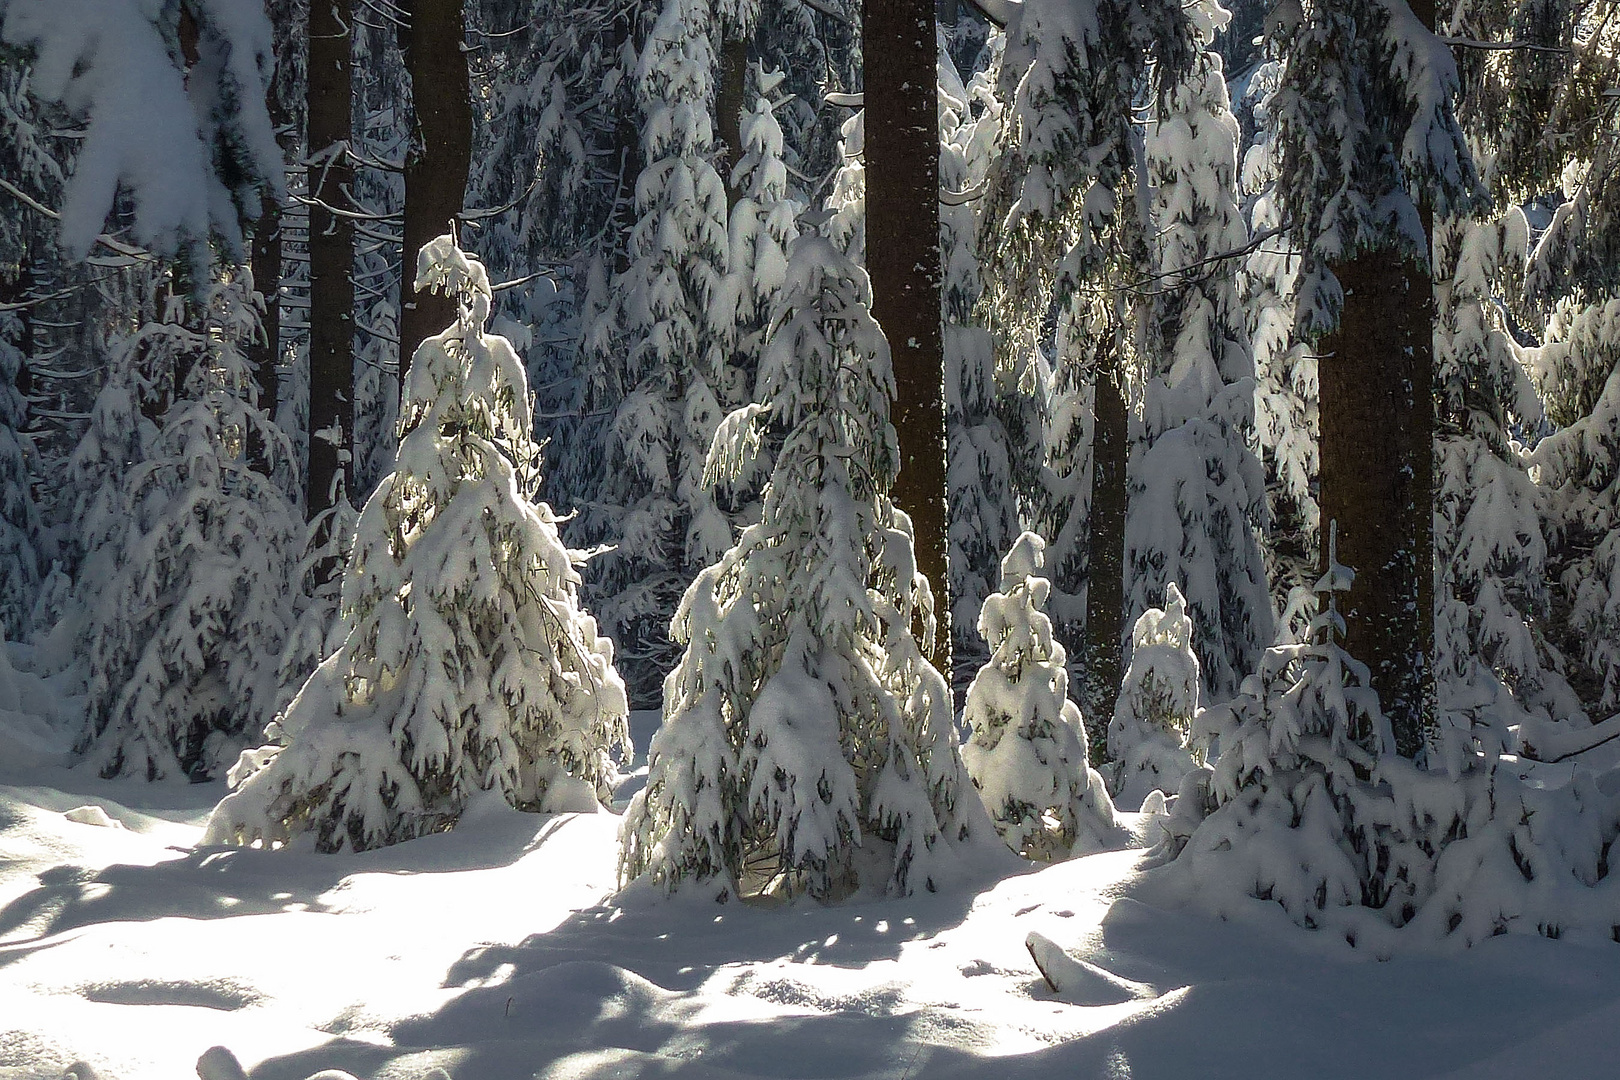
(440, 157)
(1105, 563)
(729, 100)
(902, 257)
(331, 256)
(1377, 448)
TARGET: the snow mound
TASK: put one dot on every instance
(92, 815)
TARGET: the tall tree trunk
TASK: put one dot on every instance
(331, 257)
(1377, 472)
(729, 101)
(902, 257)
(439, 160)
(1377, 409)
(1105, 564)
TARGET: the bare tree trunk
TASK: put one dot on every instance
(439, 160)
(729, 102)
(331, 256)
(902, 257)
(1377, 408)
(1105, 564)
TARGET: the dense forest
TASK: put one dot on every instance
(959, 419)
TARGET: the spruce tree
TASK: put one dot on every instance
(1027, 752)
(982, 515)
(1369, 150)
(192, 548)
(1150, 744)
(1064, 234)
(1196, 487)
(664, 371)
(20, 569)
(808, 747)
(469, 665)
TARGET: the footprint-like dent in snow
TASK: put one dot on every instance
(222, 995)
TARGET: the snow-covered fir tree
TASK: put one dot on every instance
(1065, 231)
(761, 231)
(1569, 142)
(1579, 469)
(1150, 736)
(191, 549)
(1027, 752)
(1297, 746)
(1494, 666)
(1286, 405)
(469, 664)
(808, 747)
(1197, 489)
(20, 568)
(983, 507)
(664, 371)
(1309, 817)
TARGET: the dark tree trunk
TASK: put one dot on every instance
(1377, 453)
(331, 257)
(1377, 410)
(1105, 564)
(728, 106)
(439, 160)
(902, 257)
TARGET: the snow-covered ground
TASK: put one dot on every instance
(499, 951)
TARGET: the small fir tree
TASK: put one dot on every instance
(469, 664)
(1312, 818)
(1027, 754)
(192, 549)
(807, 745)
(1150, 736)
(1297, 746)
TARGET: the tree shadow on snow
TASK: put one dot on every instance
(693, 991)
(226, 882)
(660, 1005)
